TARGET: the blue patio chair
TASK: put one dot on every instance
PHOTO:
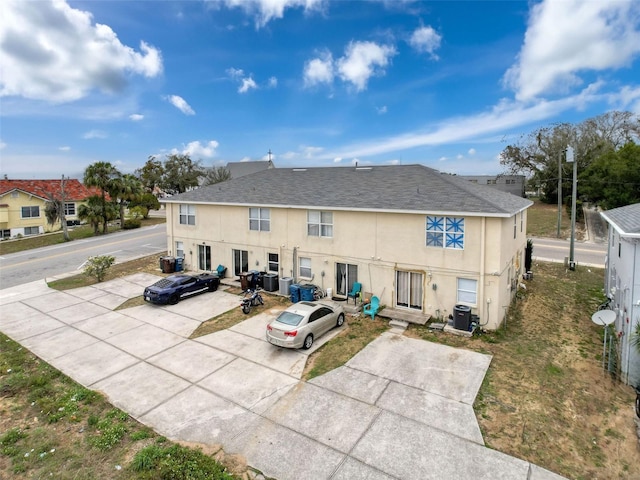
(221, 271)
(372, 308)
(355, 292)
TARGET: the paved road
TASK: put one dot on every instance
(555, 250)
(29, 265)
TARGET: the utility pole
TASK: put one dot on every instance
(574, 188)
(559, 192)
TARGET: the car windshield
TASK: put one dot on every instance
(289, 318)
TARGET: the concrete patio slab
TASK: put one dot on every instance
(140, 388)
(18, 312)
(353, 383)
(52, 301)
(191, 360)
(145, 340)
(196, 415)
(328, 417)
(289, 362)
(93, 363)
(538, 473)
(162, 318)
(23, 292)
(442, 455)
(78, 312)
(446, 371)
(352, 469)
(207, 305)
(30, 326)
(86, 293)
(277, 452)
(251, 386)
(121, 287)
(143, 279)
(55, 343)
(439, 412)
(108, 325)
(110, 300)
(256, 326)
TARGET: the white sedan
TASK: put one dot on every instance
(302, 323)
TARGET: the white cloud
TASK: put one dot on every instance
(273, 82)
(180, 103)
(362, 60)
(459, 156)
(426, 40)
(136, 117)
(94, 134)
(245, 159)
(266, 10)
(3, 145)
(319, 70)
(50, 51)
(337, 160)
(247, 84)
(235, 72)
(566, 38)
(381, 110)
(472, 151)
(395, 161)
(198, 150)
(310, 152)
(64, 149)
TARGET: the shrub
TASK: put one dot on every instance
(131, 223)
(97, 267)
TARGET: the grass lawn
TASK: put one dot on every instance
(542, 221)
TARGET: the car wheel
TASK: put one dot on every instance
(173, 299)
(340, 321)
(308, 342)
(213, 287)
(246, 308)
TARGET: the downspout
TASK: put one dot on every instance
(484, 307)
(295, 265)
(631, 311)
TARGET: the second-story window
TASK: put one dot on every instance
(187, 214)
(319, 224)
(30, 212)
(260, 219)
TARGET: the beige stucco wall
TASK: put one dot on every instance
(378, 243)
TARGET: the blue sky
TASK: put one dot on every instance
(447, 84)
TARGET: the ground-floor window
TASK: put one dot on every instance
(179, 249)
(273, 264)
(467, 291)
(204, 257)
(240, 261)
(31, 230)
(346, 276)
(409, 290)
(6, 234)
(305, 267)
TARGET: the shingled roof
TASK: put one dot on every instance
(392, 188)
(74, 190)
(626, 220)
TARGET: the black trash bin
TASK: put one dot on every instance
(167, 264)
(461, 317)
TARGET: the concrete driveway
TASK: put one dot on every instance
(400, 409)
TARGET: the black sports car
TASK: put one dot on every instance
(175, 287)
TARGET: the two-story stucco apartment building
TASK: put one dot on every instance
(420, 240)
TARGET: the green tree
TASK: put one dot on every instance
(613, 180)
(98, 267)
(215, 175)
(102, 175)
(151, 174)
(92, 212)
(147, 200)
(181, 173)
(123, 190)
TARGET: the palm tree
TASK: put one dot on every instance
(123, 190)
(101, 175)
(91, 212)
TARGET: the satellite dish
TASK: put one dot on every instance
(603, 317)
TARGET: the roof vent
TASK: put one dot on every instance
(299, 169)
(363, 168)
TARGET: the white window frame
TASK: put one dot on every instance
(515, 226)
(319, 223)
(187, 214)
(260, 219)
(467, 291)
(30, 230)
(445, 232)
(30, 211)
(273, 265)
(179, 249)
(304, 267)
(70, 209)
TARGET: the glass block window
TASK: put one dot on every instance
(260, 219)
(445, 232)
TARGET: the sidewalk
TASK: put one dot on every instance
(399, 409)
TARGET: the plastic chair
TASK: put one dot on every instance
(221, 271)
(355, 292)
(372, 308)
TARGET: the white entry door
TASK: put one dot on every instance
(409, 290)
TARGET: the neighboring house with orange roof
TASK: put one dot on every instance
(22, 204)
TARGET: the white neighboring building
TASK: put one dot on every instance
(622, 283)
